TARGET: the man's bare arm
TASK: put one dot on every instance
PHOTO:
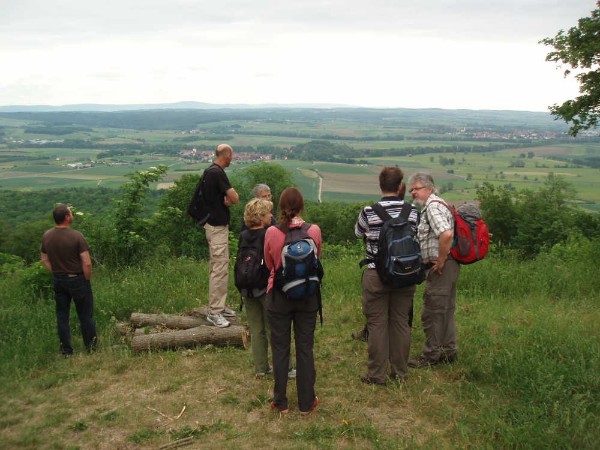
(231, 197)
(46, 261)
(86, 264)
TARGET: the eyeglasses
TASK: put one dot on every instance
(416, 189)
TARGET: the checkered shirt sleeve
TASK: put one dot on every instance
(435, 219)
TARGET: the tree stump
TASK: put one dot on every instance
(233, 335)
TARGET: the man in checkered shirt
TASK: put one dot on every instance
(435, 234)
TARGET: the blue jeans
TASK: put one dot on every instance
(78, 289)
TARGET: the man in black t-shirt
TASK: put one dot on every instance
(219, 195)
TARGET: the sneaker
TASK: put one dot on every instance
(421, 362)
(292, 373)
(312, 408)
(368, 380)
(264, 374)
(280, 410)
(228, 312)
(217, 320)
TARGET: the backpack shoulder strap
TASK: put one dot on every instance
(405, 212)
(380, 211)
(291, 234)
(385, 216)
(443, 203)
(200, 183)
(450, 208)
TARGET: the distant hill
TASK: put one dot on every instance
(186, 115)
(86, 107)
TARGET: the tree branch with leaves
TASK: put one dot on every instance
(579, 49)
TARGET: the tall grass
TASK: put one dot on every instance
(529, 355)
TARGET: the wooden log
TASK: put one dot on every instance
(140, 320)
(233, 335)
(150, 330)
(123, 328)
(193, 319)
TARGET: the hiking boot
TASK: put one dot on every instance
(280, 410)
(292, 373)
(368, 380)
(228, 312)
(312, 408)
(421, 362)
(217, 320)
(448, 359)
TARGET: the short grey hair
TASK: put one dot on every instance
(425, 179)
(257, 189)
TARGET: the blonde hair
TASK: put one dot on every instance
(255, 210)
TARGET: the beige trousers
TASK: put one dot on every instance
(218, 278)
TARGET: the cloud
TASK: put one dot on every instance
(444, 53)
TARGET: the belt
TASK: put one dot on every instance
(69, 275)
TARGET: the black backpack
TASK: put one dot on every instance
(250, 273)
(398, 260)
(198, 209)
(301, 271)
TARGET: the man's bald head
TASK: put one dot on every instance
(223, 149)
(223, 155)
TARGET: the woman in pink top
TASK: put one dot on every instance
(282, 312)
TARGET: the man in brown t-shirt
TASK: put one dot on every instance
(65, 253)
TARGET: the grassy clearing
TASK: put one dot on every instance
(526, 377)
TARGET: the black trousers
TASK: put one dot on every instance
(78, 289)
(282, 313)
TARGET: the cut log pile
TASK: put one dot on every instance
(169, 331)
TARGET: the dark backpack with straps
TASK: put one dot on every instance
(398, 260)
(198, 209)
(251, 274)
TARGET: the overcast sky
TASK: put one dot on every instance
(474, 54)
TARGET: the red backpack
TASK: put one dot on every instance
(471, 234)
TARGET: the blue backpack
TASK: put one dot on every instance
(301, 271)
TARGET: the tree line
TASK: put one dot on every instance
(135, 222)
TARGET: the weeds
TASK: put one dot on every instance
(526, 375)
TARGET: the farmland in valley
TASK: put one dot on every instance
(460, 149)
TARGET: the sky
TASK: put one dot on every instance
(450, 54)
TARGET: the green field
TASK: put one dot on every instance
(29, 166)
